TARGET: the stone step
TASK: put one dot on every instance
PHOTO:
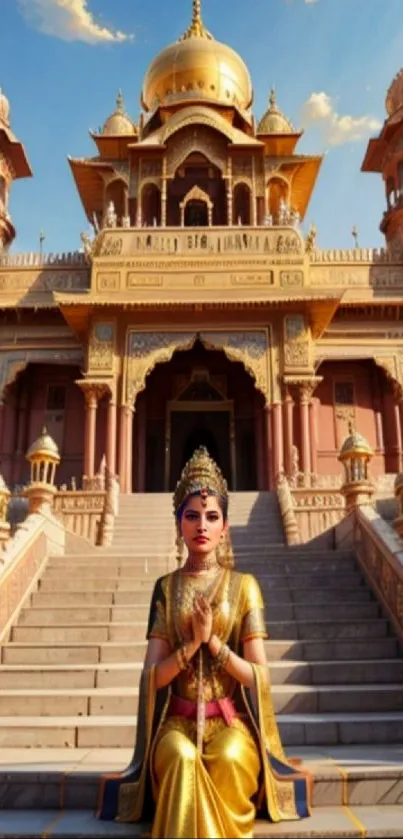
(96, 675)
(330, 822)
(60, 653)
(55, 581)
(354, 775)
(155, 568)
(117, 701)
(119, 731)
(135, 631)
(142, 598)
(280, 611)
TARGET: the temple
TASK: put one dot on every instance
(197, 313)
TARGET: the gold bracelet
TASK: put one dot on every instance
(181, 659)
(223, 656)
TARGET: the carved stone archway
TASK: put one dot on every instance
(197, 194)
(147, 349)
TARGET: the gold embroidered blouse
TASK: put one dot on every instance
(240, 620)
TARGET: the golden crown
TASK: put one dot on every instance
(201, 474)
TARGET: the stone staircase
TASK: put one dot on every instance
(70, 670)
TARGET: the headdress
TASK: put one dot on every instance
(201, 476)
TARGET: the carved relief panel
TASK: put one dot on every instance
(297, 342)
(101, 348)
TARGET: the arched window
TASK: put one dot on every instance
(151, 206)
(242, 204)
(278, 190)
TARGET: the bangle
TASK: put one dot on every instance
(223, 655)
(182, 659)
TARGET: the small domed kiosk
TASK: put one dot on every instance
(44, 457)
(356, 455)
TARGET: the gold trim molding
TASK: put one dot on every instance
(147, 349)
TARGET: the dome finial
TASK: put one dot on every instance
(120, 106)
(197, 28)
(273, 98)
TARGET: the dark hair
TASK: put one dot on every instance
(223, 503)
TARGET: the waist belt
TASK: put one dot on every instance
(224, 708)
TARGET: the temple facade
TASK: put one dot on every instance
(198, 313)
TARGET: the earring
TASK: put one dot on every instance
(180, 548)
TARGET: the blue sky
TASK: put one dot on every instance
(62, 62)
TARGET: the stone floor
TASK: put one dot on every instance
(325, 823)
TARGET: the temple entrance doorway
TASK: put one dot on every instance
(193, 427)
(200, 397)
(196, 214)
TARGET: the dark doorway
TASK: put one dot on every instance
(196, 214)
(189, 430)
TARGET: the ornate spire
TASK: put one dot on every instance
(120, 105)
(197, 28)
(273, 100)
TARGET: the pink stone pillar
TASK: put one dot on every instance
(130, 465)
(260, 458)
(288, 432)
(269, 446)
(90, 433)
(277, 440)
(123, 447)
(111, 436)
(305, 429)
(141, 446)
(313, 416)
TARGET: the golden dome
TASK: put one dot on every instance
(200, 68)
(274, 121)
(44, 447)
(4, 108)
(119, 122)
(355, 444)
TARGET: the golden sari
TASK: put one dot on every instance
(241, 768)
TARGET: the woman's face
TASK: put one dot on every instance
(202, 524)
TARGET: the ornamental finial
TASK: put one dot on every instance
(120, 103)
(197, 28)
(273, 99)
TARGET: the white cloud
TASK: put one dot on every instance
(338, 129)
(70, 20)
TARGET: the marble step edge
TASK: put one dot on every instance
(284, 664)
(370, 605)
(289, 688)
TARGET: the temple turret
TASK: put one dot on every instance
(13, 165)
(385, 155)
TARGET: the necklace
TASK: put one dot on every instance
(200, 563)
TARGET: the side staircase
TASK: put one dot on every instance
(69, 676)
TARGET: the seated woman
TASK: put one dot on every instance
(208, 755)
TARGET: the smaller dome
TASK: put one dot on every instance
(119, 122)
(4, 108)
(44, 447)
(274, 121)
(394, 96)
(355, 444)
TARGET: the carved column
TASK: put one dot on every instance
(288, 432)
(93, 392)
(277, 440)
(230, 193)
(164, 194)
(304, 400)
(313, 425)
(91, 402)
(393, 430)
(233, 452)
(254, 202)
(111, 435)
(260, 457)
(141, 442)
(126, 448)
(269, 446)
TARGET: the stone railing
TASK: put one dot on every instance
(368, 255)
(34, 259)
(89, 513)
(22, 562)
(311, 506)
(380, 553)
